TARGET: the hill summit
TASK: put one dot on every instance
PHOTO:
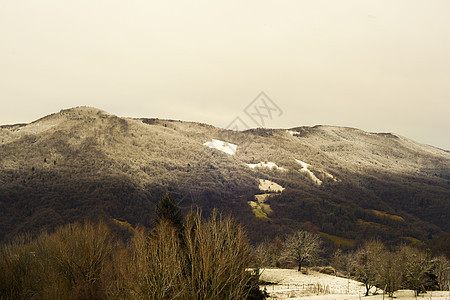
(345, 183)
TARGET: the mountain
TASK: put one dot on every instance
(345, 183)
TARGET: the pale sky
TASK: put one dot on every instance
(380, 65)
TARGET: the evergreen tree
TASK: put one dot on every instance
(168, 209)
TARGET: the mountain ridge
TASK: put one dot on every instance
(84, 162)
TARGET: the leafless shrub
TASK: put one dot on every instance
(18, 269)
(156, 264)
(319, 289)
(217, 255)
(324, 270)
(74, 258)
(208, 260)
(262, 256)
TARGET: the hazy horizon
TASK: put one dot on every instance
(379, 66)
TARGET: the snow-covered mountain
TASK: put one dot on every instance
(345, 183)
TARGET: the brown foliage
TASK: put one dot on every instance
(86, 261)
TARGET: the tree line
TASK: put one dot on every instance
(191, 258)
(403, 267)
(373, 264)
(179, 258)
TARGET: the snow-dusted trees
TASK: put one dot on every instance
(364, 263)
(403, 267)
(389, 269)
(301, 246)
(441, 267)
(417, 268)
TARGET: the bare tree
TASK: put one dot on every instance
(301, 246)
(262, 255)
(417, 267)
(85, 261)
(389, 268)
(342, 262)
(364, 263)
(217, 256)
(210, 262)
(156, 263)
(74, 258)
(442, 270)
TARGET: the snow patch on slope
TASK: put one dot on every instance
(331, 176)
(269, 186)
(261, 209)
(226, 147)
(269, 165)
(308, 171)
(293, 132)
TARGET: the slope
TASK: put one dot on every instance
(85, 163)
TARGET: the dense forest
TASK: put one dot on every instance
(193, 257)
(83, 163)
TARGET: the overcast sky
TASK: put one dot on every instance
(380, 66)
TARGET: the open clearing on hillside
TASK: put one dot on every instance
(269, 165)
(291, 284)
(269, 186)
(226, 147)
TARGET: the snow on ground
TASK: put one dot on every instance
(259, 207)
(293, 132)
(308, 171)
(222, 146)
(294, 283)
(304, 165)
(331, 176)
(269, 186)
(269, 165)
(291, 284)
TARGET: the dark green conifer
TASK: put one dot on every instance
(168, 209)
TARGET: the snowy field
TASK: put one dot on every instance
(291, 284)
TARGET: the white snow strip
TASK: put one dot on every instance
(308, 171)
(269, 165)
(331, 176)
(222, 146)
(293, 132)
(304, 165)
(269, 186)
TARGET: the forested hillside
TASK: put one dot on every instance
(344, 183)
